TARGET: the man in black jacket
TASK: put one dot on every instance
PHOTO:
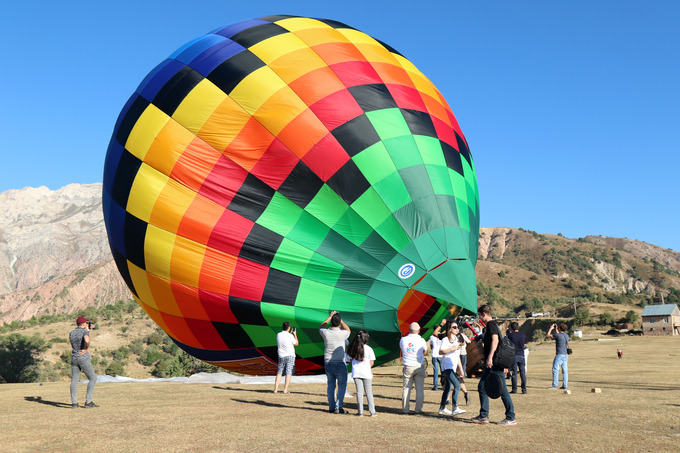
(492, 339)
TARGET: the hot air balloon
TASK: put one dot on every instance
(279, 168)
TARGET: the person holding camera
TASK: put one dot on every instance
(492, 340)
(561, 357)
(286, 342)
(80, 361)
(334, 359)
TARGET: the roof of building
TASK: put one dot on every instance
(661, 310)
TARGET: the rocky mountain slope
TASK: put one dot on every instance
(55, 258)
(54, 254)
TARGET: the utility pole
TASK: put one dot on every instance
(574, 306)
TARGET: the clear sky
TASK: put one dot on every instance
(571, 109)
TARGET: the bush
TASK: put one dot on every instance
(18, 357)
(151, 355)
(606, 319)
(115, 369)
(539, 335)
(155, 338)
(120, 354)
(137, 347)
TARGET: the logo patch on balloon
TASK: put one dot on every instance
(406, 270)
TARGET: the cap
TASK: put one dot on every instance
(81, 320)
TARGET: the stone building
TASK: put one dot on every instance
(661, 320)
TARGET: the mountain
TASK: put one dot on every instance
(55, 258)
(521, 271)
(54, 253)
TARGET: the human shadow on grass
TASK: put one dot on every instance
(38, 399)
(239, 389)
(279, 405)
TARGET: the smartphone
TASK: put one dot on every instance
(293, 329)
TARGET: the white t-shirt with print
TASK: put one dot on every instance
(413, 349)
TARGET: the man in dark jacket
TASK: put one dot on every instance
(492, 340)
(519, 365)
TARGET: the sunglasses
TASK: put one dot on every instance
(453, 327)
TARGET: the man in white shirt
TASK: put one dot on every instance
(286, 343)
(413, 352)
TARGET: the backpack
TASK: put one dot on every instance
(504, 356)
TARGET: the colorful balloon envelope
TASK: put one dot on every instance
(280, 168)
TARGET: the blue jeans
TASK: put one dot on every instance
(519, 365)
(437, 365)
(484, 399)
(336, 371)
(560, 362)
(450, 380)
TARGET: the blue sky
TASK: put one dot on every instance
(571, 109)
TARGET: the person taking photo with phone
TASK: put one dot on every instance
(561, 357)
(286, 342)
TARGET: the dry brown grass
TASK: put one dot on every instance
(638, 410)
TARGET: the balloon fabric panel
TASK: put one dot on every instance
(282, 167)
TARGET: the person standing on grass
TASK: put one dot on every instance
(413, 351)
(286, 342)
(363, 357)
(450, 348)
(80, 361)
(463, 350)
(492, 340)
(519, 364)
(334, 359)
(435, 344)
(561, 358)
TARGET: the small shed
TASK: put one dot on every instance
(661, 320)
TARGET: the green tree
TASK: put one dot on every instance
(582, 316)
(18, 357)
(632, 316)
(606, 319)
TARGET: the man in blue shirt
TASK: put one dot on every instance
(561, 358)
(520, 342)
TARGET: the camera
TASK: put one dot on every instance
(89, 325)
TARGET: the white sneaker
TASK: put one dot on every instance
(458, 411)
(445, 411)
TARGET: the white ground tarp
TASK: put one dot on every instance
(216, 378)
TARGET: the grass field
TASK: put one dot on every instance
(638, 410)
